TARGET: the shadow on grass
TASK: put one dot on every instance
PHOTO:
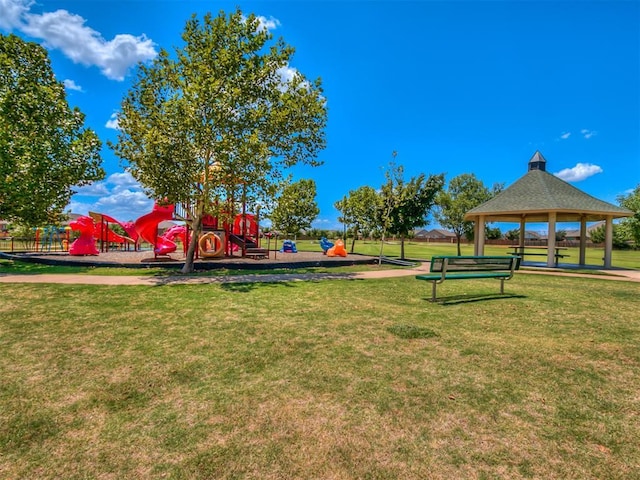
(410, 332)
(249, 282)
(460, 299)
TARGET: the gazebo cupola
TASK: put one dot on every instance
(537, 162)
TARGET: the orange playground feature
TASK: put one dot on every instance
(337, 250)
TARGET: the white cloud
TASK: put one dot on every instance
(113, 122)
(93, 190)
(286, 73)
(565, 135)
(580, 172)
(119, 196)
(125, 205)
(587, 133)
(264, 23)
(71, 85)
(268, 23)
(122, 181)
(11, 12)
(67, 32)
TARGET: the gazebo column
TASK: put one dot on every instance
(480, 236)
(551, 241)
(583, 240)
(523, 226)
(608, 242)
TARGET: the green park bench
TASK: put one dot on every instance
(470, 267)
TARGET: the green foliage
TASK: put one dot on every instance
(296, 207)
(630, 226)
(45, 150)
(359, 211)
(513, 234)
(216, 122)
(404, 206)
(619, 240)
(492, 233)
(464, 193)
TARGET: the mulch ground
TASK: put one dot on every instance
(176, 259)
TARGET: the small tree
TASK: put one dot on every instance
(631, 225)
(359, 210)
(45, 150)
(404, 206)
(492, 233)
(464, 193)
(296, 207)
(513, 235)
(619, 240)
(560, 235)
(218, 121)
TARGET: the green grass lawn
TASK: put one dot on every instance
(331, 379)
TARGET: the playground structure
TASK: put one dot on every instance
(51, 237)
(289, 246)
(85, 244)
(325, 245)
(337, 250)
(218, 239)
(106, 236)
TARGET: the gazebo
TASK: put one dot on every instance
(539, 196)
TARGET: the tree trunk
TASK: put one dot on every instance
(458, 237)
(402, 247)
(193, 243)
(353, 244)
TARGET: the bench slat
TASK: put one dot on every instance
(462, 276)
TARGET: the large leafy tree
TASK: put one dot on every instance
(359, 210)
(45, 149)
(220, 120)
(463, 193)
(296, 208)
(630, 226)
(620, 236)
(403, 205)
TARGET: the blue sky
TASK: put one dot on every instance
(454, 87)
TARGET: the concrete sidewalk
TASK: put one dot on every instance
(85, 279)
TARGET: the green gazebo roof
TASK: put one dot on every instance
(539, 193)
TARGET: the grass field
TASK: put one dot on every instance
(332, 379)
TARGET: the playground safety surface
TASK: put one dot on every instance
(142, 259)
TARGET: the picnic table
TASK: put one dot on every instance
(536, 250)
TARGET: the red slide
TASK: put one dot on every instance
(147, 228)
(104, 233)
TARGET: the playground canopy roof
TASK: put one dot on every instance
(537, 194)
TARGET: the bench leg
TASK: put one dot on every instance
(502, 286)
(433, 291)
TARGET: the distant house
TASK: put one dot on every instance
(574, 235)
(529, 235)
(436, 234)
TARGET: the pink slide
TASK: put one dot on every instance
(104, 233)
(166, 241)
(147, 228)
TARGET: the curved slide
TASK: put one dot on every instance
(104, 233)
(147, 228)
